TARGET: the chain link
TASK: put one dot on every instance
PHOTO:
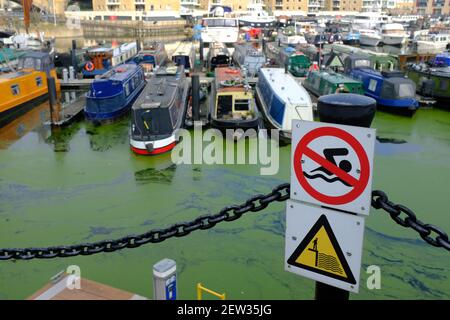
(230, 213)
(381, 201)
(181, 229)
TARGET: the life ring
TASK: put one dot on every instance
(89, 66)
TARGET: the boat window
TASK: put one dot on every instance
(406, 90)
(241, 105)
(15, 89)
(372, 85)
(362, 63)
(443, 85)
(127, 89)
(224, 105)
(39, 81)
(29, 63)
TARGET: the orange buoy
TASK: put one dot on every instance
(89, 66)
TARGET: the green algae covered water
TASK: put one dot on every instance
(83, 184)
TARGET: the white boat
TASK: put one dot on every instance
(124, 53)
(288, 36)
(282, 99)
(220, 29)
(257, 17)
(434, 43)
(369, 37)
(393, 34)
(369, 20)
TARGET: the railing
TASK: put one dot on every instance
(200, 290)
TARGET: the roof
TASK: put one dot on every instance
(160, 89)
(184, 49)
(285, 86)
(338, 78)
(120, 72)
(36, 54)
(229, 74)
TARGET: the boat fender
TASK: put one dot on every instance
(233, 71)
(89, 66)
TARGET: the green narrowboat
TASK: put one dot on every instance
(325, 82)
(431, 82)
(299, 64)
(380, 61)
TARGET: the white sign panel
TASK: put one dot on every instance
(332, 165)
(324, 245)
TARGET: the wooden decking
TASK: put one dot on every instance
(89, 290)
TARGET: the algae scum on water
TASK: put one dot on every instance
(83, 184)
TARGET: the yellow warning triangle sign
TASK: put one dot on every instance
(320, 252)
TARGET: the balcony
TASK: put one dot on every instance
(278, 4)
(192, 3)
(113, 2)
(139, 2)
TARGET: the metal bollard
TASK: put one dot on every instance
(202, 46)
(196, 97)
(65, 75)
(71, 73)
(73, 55)
(347, 109)
(165, 280)
(52, 95)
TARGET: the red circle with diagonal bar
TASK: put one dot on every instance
(358, 185)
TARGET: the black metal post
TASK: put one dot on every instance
(347, 109)
(73, 56)
(51, 87)
(138, 44)
(201, 49)
(196, 97)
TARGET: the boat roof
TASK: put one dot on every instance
(336, 78)
(120, 72)
(160, 89)
(229, 74)
(285, 86)
(184, 49)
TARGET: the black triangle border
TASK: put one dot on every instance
(322, 221)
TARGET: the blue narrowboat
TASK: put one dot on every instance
(391, 89)
(112, 95)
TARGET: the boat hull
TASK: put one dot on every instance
(369, 41)
(153, 147)
(235, 124)
(394, 40)
(13, 113)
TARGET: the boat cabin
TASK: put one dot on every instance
(389, 88)
(328, 82)
(185, 55)
(218, 56)
(234, 97)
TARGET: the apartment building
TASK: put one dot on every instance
(287, 5)
(432, 7)
(137, 5)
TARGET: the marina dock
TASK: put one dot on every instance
(59, 289)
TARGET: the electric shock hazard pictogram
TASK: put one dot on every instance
(320, 252)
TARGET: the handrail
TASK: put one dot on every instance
(200, 288)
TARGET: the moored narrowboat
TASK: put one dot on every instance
(24, 88)
(233, 105)
(185, 55)
(432, 82)
(391, 89)
(249, 57)
(323, 82)
(159, 112)
(112, 95)
(282, 99)
(218, 56)
(152, 56)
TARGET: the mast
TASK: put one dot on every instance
(26, 4)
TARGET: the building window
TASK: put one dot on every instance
(152, 7)
(15, 90)
(38, 81)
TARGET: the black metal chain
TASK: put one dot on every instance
(381, 201)
(230, 213)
